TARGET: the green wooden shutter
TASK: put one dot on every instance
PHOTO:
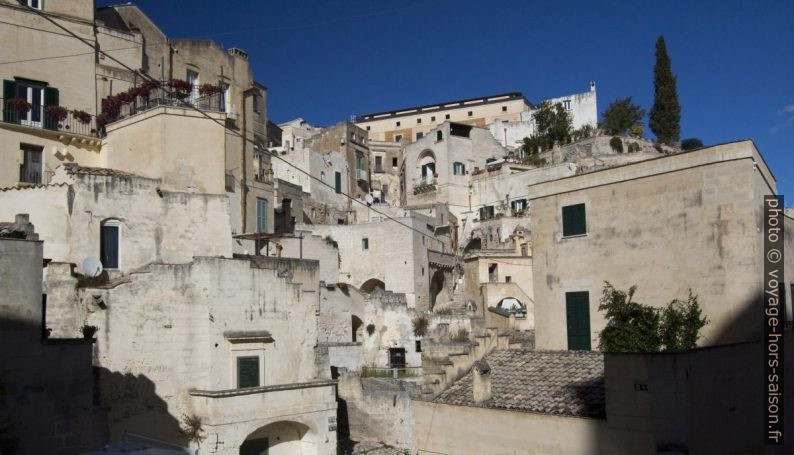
(247, 372)
(50, 99)
(9, 91)
(261, 215)
(573, 220)
(338, 181)
(577, 313)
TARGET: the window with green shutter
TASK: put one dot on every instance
(247, 372)
(261, 215)
(577, 318)
(338, 182)
(574, 221)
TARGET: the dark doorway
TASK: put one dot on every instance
(396, 357)
(254, 447)
(577, 312)
(356, 323)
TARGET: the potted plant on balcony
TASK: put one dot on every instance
(20, 105)
(208, 89)
(57, 113)
(180, 89)
(82, 117)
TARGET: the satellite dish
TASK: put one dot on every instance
(369, 199)
(92, 266)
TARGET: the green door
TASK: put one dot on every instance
(577, 313)
(254, 447)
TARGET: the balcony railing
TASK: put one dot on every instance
(55, 118)
(127, 104)
(264, 176)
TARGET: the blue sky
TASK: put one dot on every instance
(325, 60)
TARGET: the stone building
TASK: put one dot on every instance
(385, 165)
(437, 167)
(351, 142)
(413, 123)
(46, 386)
(686, 221)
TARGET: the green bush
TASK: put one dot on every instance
(635, 327)
(634, 147)
(637, 130)
(420, 325)
(616, 144)
(621, 115)
(691, 144)
(370, 329)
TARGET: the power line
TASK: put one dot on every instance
(65, 56)
(204, 114)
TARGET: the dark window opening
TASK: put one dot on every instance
(446, 116)
(367, 128)
(30, 169)
(459, 169)
(470, 113)
(433, 118)
(398, 123)
(365, 244)
(419, 136)
(507, 279)
(439, 135)
(378, 164)
(109, 244)
(396, 357)
(504, 108)
(398, 137)
(340, 221)
(577, 312)
(418, 121)
(338, 182)
(493, 272)
(487, 212)
(460, 130)
(573, 220)
(394, 162)
(247, 372)
(418, 344)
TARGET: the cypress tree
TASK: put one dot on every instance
(665, 116)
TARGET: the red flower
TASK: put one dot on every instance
(82, 117)
(208, 89)
(19, 104)
(57, 113)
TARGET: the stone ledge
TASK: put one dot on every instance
(263, 389)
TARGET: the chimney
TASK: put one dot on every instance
(481, 385)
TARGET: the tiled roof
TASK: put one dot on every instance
(568, 383)
(76, 169)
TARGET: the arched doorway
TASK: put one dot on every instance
(436, 286)
(356, 326)
(514, 306)
(371, 284)
(280, 438)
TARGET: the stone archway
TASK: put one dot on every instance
(357, 328)
(280, 438)
(436, 286)
(372, 283)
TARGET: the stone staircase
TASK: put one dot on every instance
(442, 370)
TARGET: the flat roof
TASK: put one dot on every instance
(476, 101)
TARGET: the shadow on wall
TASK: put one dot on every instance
(133, 406)
(46, 392)
(707, 400)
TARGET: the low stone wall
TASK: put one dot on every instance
(377, 410)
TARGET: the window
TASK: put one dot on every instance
(418, 345)
(359, 161)
(446, 116)
(338, 182)
(368, 128)
(378, 164)
(419, 136)
(396, 357)
(573, 220)
(30, 169)
(507, 279)
(398, 123)
(352, 135)
(567, 105)
(365, 243)
(340, 221)
(109, 244)
(255, 103)
(471, 113)
(493, 272)
(577, 313)
(486, 212)
(398, 137)
(261, 215)
(459, 169)
(524, 249)
(193, 78)
(433, 118)
(423, 271)
(37, 95)
(518, 206)
(439, 136)
(504, 108)
(322, 176)
(418, 121)
(247, 372)
(34, 3)
(394, 162)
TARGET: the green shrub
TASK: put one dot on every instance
(420, 325)
(691, 144)
(635, 327)
(616, 144)
(637, 130)
(621, 115)
(634, 147)
(370, 329)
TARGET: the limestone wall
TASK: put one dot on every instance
(169, 226)
(688, 221)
